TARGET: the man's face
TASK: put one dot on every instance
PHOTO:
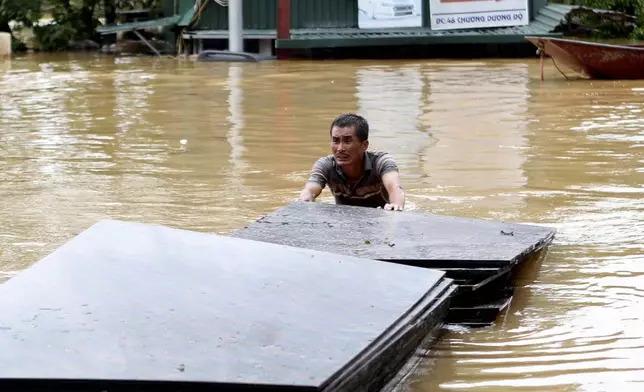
(346, 146)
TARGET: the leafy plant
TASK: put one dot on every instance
(25, 12)
(54, 37)
(599, 25)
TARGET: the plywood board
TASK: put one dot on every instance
(128, 301)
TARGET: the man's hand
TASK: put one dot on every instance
(310, 192)
(393, 207)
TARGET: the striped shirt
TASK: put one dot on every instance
(369, 191)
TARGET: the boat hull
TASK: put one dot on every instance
(594, 60)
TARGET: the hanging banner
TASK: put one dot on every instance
(378, 14)
(468, 14)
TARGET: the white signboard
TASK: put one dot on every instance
(378, 14)
(467, 14)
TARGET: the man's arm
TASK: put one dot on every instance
(317, 180)
(388, 171)
(391, 180)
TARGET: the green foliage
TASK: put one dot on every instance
(54, 37)
(137, 4)
(638, 34)
(627, 6)
(76, 20)
(26, 12)
(598, 26)
(73, 20)
(18, 46)
(635, 8)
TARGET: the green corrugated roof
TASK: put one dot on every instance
(186, 18)
(330, 40)
(146, 24)
(219, 34)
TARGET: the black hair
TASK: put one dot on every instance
(359, 124)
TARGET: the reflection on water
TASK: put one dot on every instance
(479, 112)
(234, 136)
(392, 98)
(84, 138)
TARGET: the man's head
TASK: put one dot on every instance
(349, 139)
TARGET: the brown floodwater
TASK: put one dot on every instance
(86, 137)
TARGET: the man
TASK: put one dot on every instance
(355, 176)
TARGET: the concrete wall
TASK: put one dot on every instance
(5, 44)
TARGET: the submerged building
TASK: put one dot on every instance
(285, 27)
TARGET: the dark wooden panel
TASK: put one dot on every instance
(481, 315)
(128, 301)
(422, 239)
(479, 255)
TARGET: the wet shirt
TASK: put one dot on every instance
(369, 191)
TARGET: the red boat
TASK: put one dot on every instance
(594, 60)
